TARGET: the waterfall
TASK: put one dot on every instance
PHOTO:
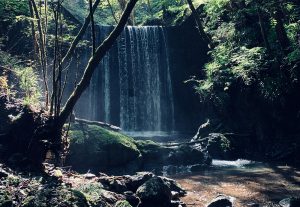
(132, 86)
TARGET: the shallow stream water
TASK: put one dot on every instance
(247, 181)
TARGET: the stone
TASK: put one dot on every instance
(290, 202)
(154, 191)
(222, 201)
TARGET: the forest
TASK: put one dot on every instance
(149, 103)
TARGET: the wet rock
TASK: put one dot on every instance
(290, 202)
(222, 201)
(154, 191)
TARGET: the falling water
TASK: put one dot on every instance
(132, 86)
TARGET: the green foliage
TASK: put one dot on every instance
(10, 9)
(29, 85)
(106, 137)
(24, 81)
(240, 58)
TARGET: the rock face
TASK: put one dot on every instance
(222, 201)
(154, 191)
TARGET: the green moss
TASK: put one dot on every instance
(80, 132)
(95, 148)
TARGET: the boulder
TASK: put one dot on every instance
(217, 146)
(222, 201)
(97, 149)
(154, 191)
(188, 155)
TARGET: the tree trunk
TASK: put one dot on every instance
(280, 30)
(263, 30)
(92, 65)
(122, 4)
(79, 35)
(112, 11)
(42, 50)
(197, 18)
(92, 25)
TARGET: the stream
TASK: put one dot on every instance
(249, 182)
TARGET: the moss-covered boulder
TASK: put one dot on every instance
(98, 149)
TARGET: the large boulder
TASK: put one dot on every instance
(217, 145)
(98, 149)
(154, 191)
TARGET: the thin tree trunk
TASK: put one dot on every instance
(262, 30)
(36, 49)
(112, 11)
(280, 30)
(197, 18)
(93, 63)
(92, 26)
(122, 4)
(79, 35)
(42, 48)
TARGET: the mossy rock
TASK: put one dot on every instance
(154, 191)
(152, 151)
(123, 204)
(95, 148)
